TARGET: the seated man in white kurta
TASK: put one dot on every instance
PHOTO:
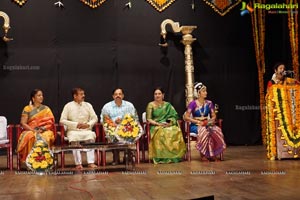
(80, 117)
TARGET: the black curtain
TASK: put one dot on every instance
(112, 46)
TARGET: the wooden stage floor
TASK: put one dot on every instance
(245, 174)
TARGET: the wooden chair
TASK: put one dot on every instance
(189, 138)
(6, 140)
(64, 140)
(19, 130)
(144, 141)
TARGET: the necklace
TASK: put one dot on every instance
(159, 104)
(204, 110)
(38, 108)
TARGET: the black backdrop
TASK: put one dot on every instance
(99, 49)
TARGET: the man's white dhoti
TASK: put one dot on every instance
(82, 135)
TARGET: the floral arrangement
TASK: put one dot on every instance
(129, 130)
(109, 128)
(283, 103)
(40, 158)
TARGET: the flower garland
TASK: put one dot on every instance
(289, 118)
(283, 106)
(40, 158)
(270, 126)
(294, 39)
(258, 31)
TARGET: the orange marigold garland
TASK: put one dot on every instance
(270, 126)
(258, 31)
(288, 103)
(294, 39)
(283, 108)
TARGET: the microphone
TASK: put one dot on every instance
(288, 73)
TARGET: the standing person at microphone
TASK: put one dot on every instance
(281, 76)
(278, 76)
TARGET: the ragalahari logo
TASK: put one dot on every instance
(246, 9)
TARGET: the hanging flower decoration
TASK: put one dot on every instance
(283, 107)
(40, 158)
(222, 7)
(293, 19)
(160, 5)
(20, 2)
(270, 126)
(129, 130)
(109, 129)
(93, 3)
(258, 31)
(287, 102)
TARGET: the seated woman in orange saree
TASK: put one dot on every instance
(36, 119)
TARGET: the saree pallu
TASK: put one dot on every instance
(166, 145)
(210, 141)
(36, 118)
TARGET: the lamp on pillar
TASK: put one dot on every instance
(6, 26)
(187, 40)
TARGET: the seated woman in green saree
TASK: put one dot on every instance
(36, 119)
(166, 144)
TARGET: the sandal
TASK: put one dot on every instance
(79, 167)
(92, 165)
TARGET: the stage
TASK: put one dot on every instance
(244, 174)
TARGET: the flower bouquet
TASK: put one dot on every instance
(129, 130)
(40, 158)
(109, 128)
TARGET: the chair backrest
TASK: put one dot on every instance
(3, 128)
(144, 119)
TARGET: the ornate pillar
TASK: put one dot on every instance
(187, 40)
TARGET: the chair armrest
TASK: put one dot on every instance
(146, 126)
(19, 130)
(61, 128)
(98, 130)
(102, 134)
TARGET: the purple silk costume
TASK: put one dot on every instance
(210, 139)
